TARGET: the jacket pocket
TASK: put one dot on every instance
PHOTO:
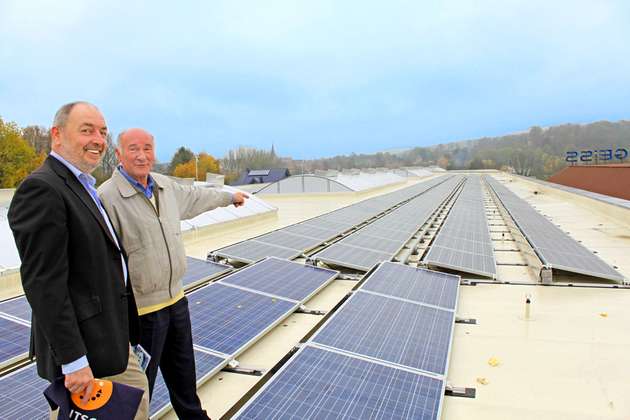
(143, 271)
(88, 309)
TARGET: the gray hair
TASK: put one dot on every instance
(61, 116)
(122, 133)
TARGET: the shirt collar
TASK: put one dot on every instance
(75, 171)
(148, 191)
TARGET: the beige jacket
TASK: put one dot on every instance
(152, 238)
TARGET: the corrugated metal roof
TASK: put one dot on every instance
(335, 182)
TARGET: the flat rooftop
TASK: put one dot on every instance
(565, 361)
(562, 358)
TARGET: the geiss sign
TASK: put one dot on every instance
(600, 155)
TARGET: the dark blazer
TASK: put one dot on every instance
(72, 275)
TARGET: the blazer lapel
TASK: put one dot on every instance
(79, 190)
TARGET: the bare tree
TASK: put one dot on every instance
(38, 137)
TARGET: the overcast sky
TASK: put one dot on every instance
(317, 78)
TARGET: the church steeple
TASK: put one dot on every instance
(273, 150)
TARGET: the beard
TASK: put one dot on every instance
(79, 157)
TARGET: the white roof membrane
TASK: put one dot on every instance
(9, 258)
(253, 206)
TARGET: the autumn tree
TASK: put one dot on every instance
(443, 162)
(17, 157)
(206, 163)
(182, 155)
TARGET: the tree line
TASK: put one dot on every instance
(537, 152)
(23, 149)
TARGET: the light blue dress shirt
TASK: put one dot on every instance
(148, 191)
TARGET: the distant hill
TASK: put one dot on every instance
(397, 151)
(537, 152)
(540, 151)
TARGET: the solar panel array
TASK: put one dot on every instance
(414, 331)
(463, 242)
(321, 384)
(17, 308)
(14, 341)
(15, 330)
(21, 395)
(15, 314)
(230, 314)
(555, 248)
(380, 355)
(294, 240)
(21, 391)
(226, 318)
(382, 239)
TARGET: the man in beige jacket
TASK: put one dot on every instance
(145, 209)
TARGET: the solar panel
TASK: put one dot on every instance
(326, 223)
(206, 365)
(414, 284)
(347, 217)
(226, 319)
(292, 241)
(282, 278)
(289, 240)
(460, 260)
(258, 172)
(252, 251)
(392, 330)
(14, 341)
(375, 243)
(346, 255)
(311, 231)
(322, 384)
(21, 395)
(555, 248)
(17, 307)
(365, 247)
(385, 230)
(198, 271)
(463, 242)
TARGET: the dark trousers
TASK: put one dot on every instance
(166, 335)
